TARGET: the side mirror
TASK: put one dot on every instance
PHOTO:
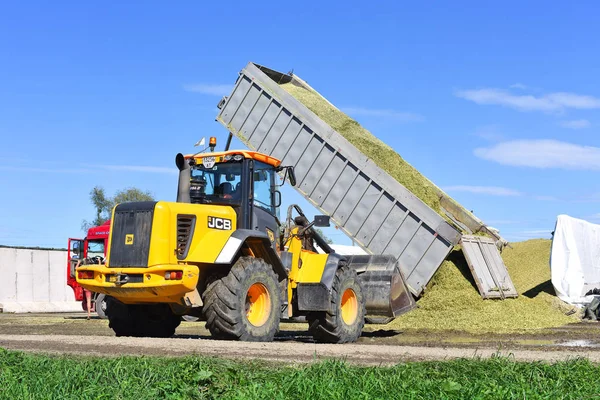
(321, 221)
(292, 176)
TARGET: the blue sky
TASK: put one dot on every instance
(496, 103)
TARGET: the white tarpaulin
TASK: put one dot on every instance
(575, 259)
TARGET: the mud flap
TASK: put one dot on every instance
(385, 291)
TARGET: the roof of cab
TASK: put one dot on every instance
(247, 154)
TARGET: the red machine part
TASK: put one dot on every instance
(96, 239)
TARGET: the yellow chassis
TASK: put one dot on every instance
(153, 289)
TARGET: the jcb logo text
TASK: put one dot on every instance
(219, 223)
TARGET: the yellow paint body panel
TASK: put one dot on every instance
(307, 267)
(312, 267)
(206, 243)
(154, 288)
(205, 246)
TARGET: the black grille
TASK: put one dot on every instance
(130, 235)
(185, 232)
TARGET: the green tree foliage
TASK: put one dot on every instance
(104, 205)
(322, 234)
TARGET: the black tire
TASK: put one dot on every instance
(101, 305)
(332, 326)
(226, 302)
(379, 320)
(118, 317)
(141, 320)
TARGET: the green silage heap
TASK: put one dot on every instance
(380, 153)
(452, 301)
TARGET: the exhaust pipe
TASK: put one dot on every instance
(385, 291)
(183, 188)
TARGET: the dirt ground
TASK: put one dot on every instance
(72, 333)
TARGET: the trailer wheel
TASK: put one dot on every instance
(101, 305)
(245, 304)
(345, 319)
(141, 320)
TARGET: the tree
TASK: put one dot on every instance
(104, 204)
(322, 234)
(131, 194)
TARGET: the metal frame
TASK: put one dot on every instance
(380, 214)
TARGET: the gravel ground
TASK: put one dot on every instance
(289, 352)
(73, 334)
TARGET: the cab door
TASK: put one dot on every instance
(75, 252)
(265, 201)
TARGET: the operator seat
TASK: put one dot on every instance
(225, 189)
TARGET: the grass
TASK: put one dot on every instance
(25, 376)
(452, 301)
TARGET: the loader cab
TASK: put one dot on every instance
(246, 181)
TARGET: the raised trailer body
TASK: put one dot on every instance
(380, 214)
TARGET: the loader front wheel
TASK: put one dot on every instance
(245, 304)
(345, 319)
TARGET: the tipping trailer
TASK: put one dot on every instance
(370, 206)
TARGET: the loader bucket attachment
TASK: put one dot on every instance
(384, 288)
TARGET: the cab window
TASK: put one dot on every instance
(219, 183)
(263, 180)
(95, 248)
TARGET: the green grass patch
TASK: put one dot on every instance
(27, 376)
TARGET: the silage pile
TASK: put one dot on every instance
(452, 301)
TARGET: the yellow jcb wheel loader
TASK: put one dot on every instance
(220, 253)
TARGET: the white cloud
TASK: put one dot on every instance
(489, 190)
(138, 168)
(210, 89)
(552, 102)
(489, 133)
(576, 124)
(572, 100)
(542, 154)
(384, 113)
(518, 86)
(45, 170)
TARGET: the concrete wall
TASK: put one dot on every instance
(34, 280)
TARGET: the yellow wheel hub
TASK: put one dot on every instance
(349, 307)
(258, 304)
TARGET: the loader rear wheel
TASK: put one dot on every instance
(245, 304)
(141, 320)
(345, 319)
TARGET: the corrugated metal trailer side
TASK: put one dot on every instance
(380, 214)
